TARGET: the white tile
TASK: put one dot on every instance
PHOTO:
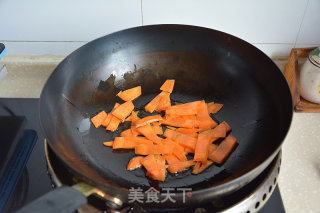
(265, 21)
(310, 28)
(275, 50)
(41, 48)
(72, 20)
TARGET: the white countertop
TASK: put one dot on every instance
(299, 179)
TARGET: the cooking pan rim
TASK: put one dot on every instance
(199, 191)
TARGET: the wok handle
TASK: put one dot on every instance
(63, 200)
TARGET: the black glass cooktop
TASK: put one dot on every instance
(35, 181)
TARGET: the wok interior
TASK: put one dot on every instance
(206, 64)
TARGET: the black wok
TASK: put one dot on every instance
(206, 64)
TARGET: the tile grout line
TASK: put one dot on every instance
(141, 13)
(298, 34)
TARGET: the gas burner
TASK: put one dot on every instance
(249, 199)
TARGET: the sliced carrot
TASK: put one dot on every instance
(134, 131)
(213, 107)
(99, 118)
(178, 150)
(223, 150)
(150, 149)
(148, 131)
(189, 132)
(134, 163)
(184, 109)
(180, 166)
(121, 143)
(108, 143)
(129, 142)
(180, 122)
(196, 168)
(154, 168)
(202, 148)
(138, 140)
(206, 122)
(123, 110)
(134, 117)
(186, 141)
(169, 133)
(164, 103)
(114, 123)
(130, 94)
(126, 132)
(168, 85)
(146, 120)
(200, 167)
(157, 128)
(205, 165)
(188, 150)
(218, 132)
(212, 148)
(106, 121)
(152, 105)
(171, 158)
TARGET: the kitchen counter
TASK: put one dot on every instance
(299, 179)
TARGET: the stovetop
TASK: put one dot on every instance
(35, 181)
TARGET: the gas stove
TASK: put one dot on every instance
(41, 176)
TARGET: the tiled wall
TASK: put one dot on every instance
(59, 27)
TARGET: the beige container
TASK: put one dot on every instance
(310, 77)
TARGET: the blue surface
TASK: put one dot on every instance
(15, 166)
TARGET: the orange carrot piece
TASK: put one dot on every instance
(184, 109)
(180, 122)
(126, 132)
(121, 143)
(188, 150)
(106, 121)
(189, 132)
(151, 149)
(157, 128)
(185, 141)
(134, 117)
(154, 169)
(171, 158)
(134, 163)
(152, 105)
(218, 132)
(123, 110)
(99, 118)
(164, 103)
(202, 148)
(114, 122)
(206, 122)
(146, 120)
(200, 167)
(138, 140)
(180, 166)
(212, 148)
(196, 168)
(178, 150)
(205, 165)
(224, 149)
(148, 132)
(108, 143)
(130, 94)
(213, 107)
(168, 85)
(129, 142)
